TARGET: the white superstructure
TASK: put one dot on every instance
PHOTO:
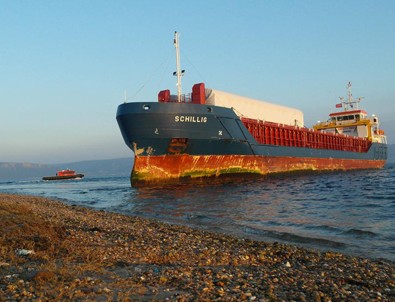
(255, 109)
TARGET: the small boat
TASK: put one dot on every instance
(64, 174)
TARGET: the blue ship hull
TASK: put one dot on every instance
(179, 138)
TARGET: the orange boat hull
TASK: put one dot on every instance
(154, 169)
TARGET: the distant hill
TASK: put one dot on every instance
(107, 167)
(91, 168)
(10, 171)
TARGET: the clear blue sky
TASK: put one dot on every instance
(64, 65)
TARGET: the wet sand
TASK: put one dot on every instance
(54, 252)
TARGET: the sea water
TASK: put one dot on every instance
(350, 212)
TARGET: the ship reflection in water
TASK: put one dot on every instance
(349, 213)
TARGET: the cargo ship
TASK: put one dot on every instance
(209, 133)
(64, 174)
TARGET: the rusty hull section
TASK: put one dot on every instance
(164, 168)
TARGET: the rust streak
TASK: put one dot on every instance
(158, 168)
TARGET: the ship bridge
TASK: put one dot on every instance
(353, 122)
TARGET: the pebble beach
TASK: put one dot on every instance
(55, 252)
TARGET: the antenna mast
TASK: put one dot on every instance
(350, 102)
(179, 73)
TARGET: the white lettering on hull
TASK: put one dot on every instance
(190, 119)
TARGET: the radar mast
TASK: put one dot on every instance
(179, 73)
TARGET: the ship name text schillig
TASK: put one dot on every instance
(190, 119)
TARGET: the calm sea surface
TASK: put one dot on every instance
(352, 212)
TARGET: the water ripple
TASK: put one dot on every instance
(349, 212)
